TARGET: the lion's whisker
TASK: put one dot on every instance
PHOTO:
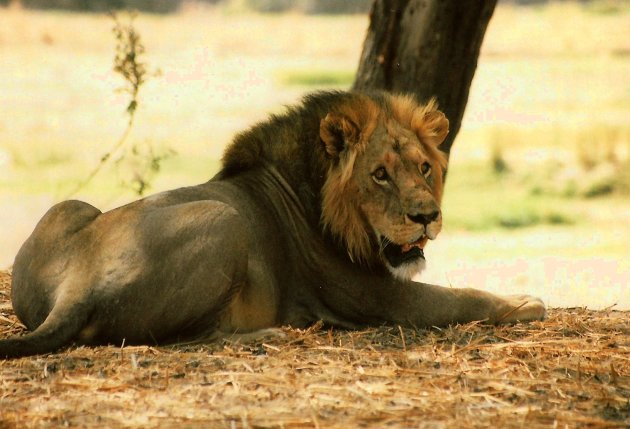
(384, 243)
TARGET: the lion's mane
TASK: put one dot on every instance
(321, 174)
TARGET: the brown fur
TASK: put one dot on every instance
(317, 214)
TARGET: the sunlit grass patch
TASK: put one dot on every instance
(606, 7)
(478, 200)
(526, 217)
(315, 77)
(513, 177)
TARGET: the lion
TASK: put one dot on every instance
(318, 214)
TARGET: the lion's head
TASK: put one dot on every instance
(384, 185)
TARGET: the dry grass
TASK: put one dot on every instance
(572, 370)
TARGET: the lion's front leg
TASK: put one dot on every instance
(381, 299)
(440, 306)
(360, 298)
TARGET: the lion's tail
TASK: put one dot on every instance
(57, 330)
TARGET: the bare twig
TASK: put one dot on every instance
(127, 64)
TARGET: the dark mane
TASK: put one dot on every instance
(291, 143)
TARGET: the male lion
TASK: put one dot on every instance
(321, 213)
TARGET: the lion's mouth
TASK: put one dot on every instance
(397, 254)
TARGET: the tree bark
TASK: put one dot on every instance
(428, 48)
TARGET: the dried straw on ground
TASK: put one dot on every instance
(572, 370)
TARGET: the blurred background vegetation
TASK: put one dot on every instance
(538, 191)
(169, 6)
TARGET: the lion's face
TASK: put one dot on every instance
(383, 195)
(396, 184)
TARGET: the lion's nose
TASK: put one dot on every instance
(424, 218)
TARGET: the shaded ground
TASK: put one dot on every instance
(572, 370)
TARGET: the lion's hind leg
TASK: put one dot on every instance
(47, 294)
(64, 323)
(42, 263)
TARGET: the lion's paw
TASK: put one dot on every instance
(522, 308)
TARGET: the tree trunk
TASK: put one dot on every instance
(428, 48)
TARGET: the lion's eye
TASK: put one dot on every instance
(425, 169)
(380, 175)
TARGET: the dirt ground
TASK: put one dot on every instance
(572, 370)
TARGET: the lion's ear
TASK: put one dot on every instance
(337, 132)
(430, 124)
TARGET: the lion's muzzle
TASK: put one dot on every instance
(398, 255)
(424, 218)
